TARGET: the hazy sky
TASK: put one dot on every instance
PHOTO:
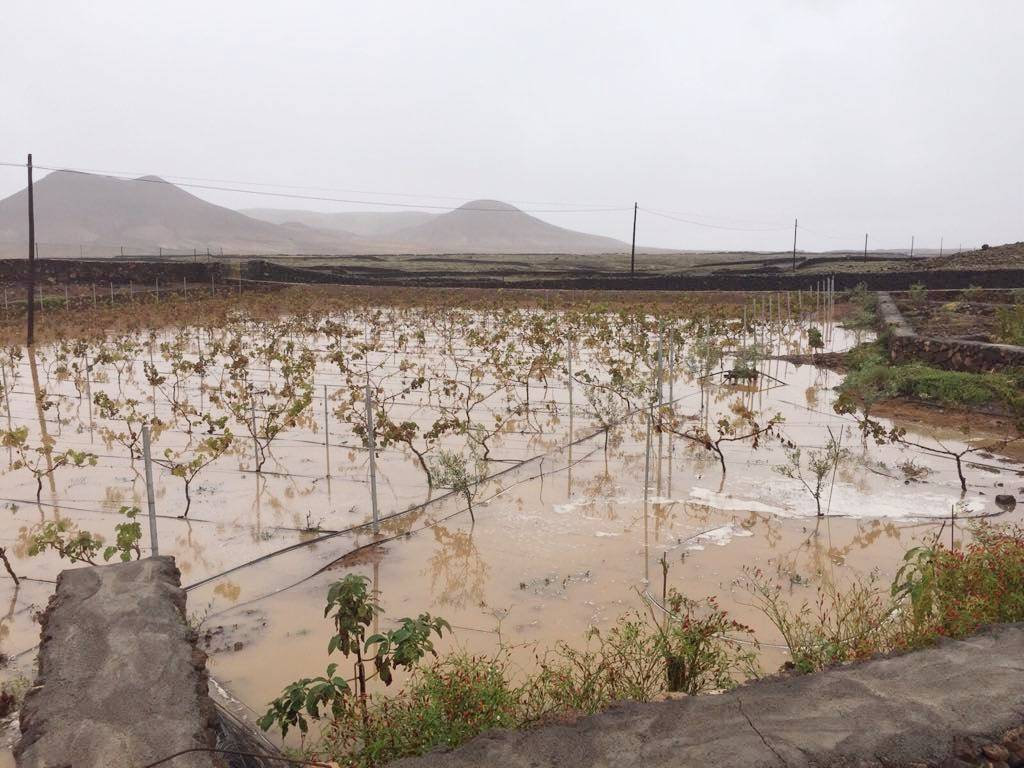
(897, 118)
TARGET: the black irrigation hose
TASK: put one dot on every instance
(235, 753)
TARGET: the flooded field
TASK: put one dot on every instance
(606, 456)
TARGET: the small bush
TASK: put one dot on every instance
(972, 293)
(939, 592)
(814, 338)
(865, 306)
(696, 648)
(918, 294)
(952, 593)
(442, 705)
(1010, 324)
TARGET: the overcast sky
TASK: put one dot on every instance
(892, 117)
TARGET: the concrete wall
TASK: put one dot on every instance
(121, 682)
(905, 345)
(958, 704)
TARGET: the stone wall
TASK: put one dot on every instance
(732, 280)
(146, 271)
(121, 682)
(905, 345)
(102, 271)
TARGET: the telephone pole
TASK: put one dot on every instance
(794, 244)
(632, 252)
(31, 335)
(865, 247)
(911, 246)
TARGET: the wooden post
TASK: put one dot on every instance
(911, 246)
(31, 330)
(794, 244)
(632, 252)
(865, 247)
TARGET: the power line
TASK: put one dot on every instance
(713, 226)
(135, 175)
(317, 198)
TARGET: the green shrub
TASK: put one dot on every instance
(694, 648)
(865, 307)
(918, 294)
(872, 377)
(1010, 324)
(444, 704)
(972, 293)
(939, 592)
(814, 338)
(952, 593)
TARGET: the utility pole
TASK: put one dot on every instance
(794, 244)
(865, 247)
(632, 252)
(31, 335)
(911, 246)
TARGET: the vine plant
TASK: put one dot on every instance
(352, 610)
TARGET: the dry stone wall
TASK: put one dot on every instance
(905, 345)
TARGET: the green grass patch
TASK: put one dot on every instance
(871, 376)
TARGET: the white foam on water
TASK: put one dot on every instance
(790, 500)
(718, 536)
(729, 503)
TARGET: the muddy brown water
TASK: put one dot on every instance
(567, 537)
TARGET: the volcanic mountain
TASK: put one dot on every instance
(490, 226)
(98, 215)
(94, 216)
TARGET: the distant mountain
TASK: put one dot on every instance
(490, 226)
(93, 216)
(97, 215)
(364, 224)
